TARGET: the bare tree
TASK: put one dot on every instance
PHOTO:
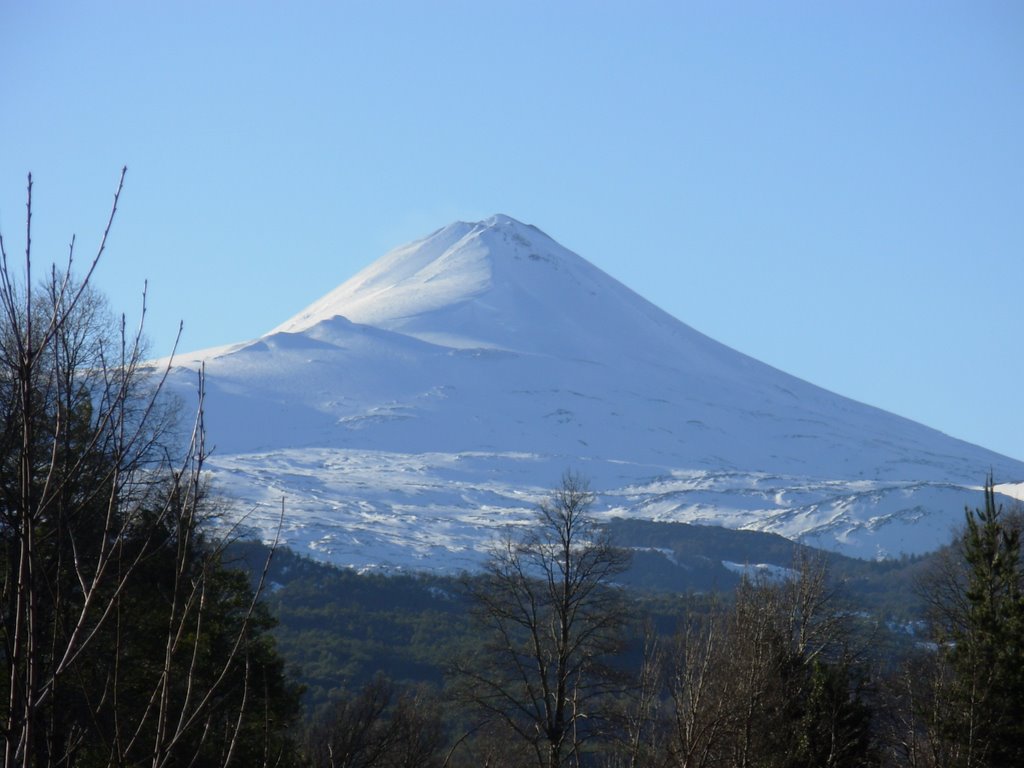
(766, 681)
(123, 640)
(913, 701)
(379, 727)
(702, 706)
(552, 620)
(638, 720)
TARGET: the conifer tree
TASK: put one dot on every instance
(984, 640)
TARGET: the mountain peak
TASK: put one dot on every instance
(501, 220)
(504, 223)
(495, 283)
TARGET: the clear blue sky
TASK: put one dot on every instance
(835, 188)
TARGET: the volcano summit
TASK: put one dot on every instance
(431, 399)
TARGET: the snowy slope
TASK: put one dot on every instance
(432, 398)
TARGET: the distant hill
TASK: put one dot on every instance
(338, 628)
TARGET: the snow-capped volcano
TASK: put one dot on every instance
(435, 395)
(497, 284)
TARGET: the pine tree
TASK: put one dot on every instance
(985, 642)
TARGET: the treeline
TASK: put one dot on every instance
(772, 673)
(339, 628)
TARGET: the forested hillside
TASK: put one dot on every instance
(822, 661)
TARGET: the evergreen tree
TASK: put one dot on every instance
(983, 637)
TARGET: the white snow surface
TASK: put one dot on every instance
(765, 571)
(414, 412)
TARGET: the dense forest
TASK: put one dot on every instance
(820, 667)
(133, 634)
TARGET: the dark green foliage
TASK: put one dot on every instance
(123, 638)
(981, 628)
(340, 629)
(697, 553)
(787, 685)
(141, 620)
(831, 719)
